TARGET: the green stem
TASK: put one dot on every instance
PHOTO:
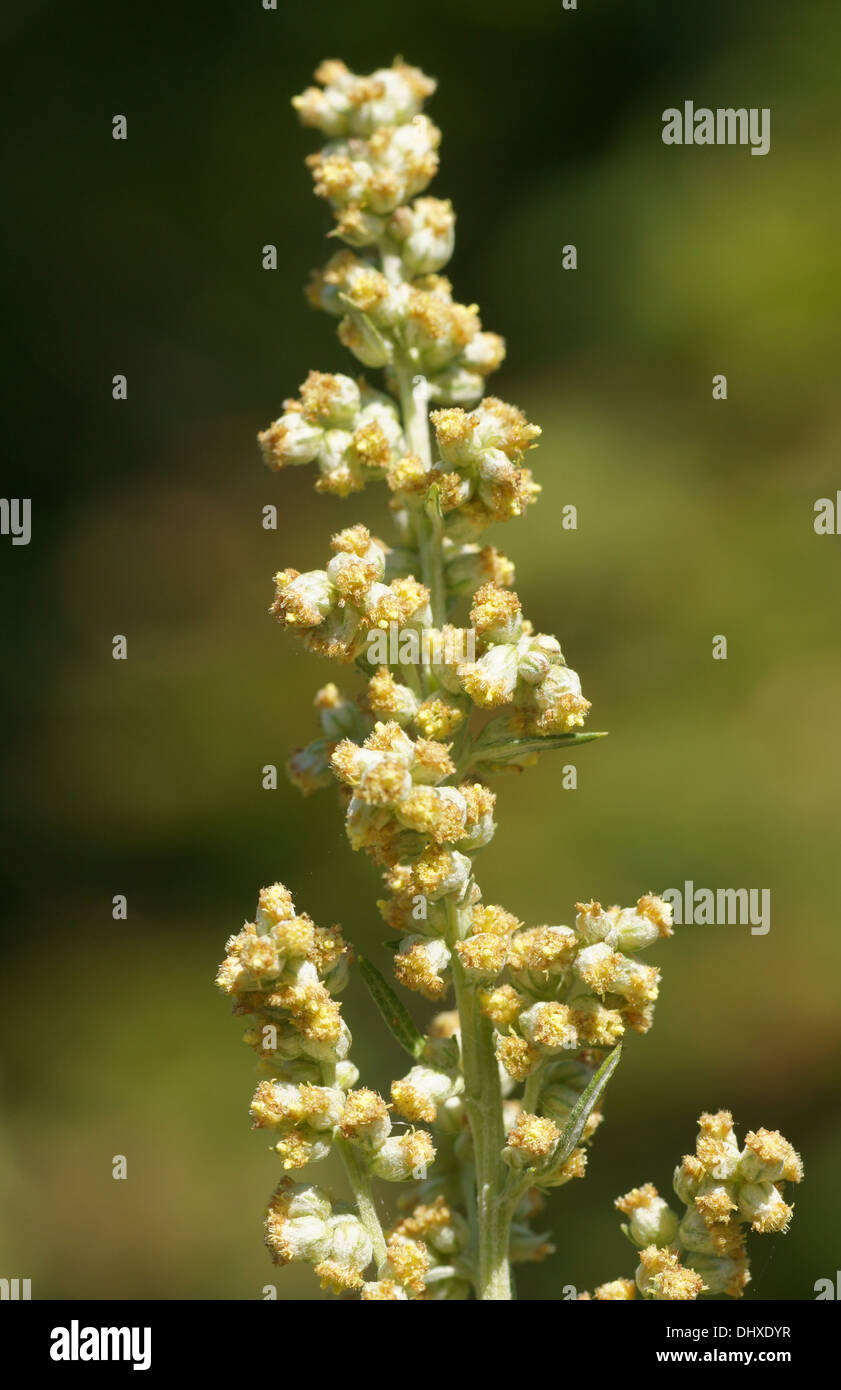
(484, 1107)
(428, 523)
(432, 570)
(360, 1181)
(483, 1096)
(414, 405)
(534, 1083)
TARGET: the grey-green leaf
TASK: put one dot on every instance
(511, 749)
(395, 1014)
(580, 1112)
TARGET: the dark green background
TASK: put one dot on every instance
(695, 518)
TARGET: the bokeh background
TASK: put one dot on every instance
(695, 519)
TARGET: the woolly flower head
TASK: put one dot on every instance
(283, 970)
(726, 1191)
(335, 609)
(345, 104)
(349, 430)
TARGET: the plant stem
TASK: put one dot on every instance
(484, 1107)
(363, 1197)
(531, 1094)
(359, 1180)
(413, 403)
(483, 1096)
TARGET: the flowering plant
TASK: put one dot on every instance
(510, 1080)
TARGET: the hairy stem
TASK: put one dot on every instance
(481, 1073)
(359, 1179)
(361, 1184)
(534, 1084)
(484, 1107)
(428, 524)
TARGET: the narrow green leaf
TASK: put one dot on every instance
(395, 1014)
(507, 750)
(583, 1106)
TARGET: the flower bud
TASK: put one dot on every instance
(365, 1118)
(421, 964)
(408, 1262)
(426, 231)
(290, 441)
(302, 600)
(260, 957)
(631, 932)
(615, 1290)
(496, 614)
(418, 1094)
(328, 1050)
(383, 1290)
(332, 401)
(592, 923)
(716, 1145)
(347, 1075)
(484, 353)
(455, 385)
(549, 1026)
(726, 1274)
(517, 1056)
(308, 768)
(492, 679)
(531, 1141)
(482, 956)
(404, 1156)
(694, 1234)
(687, 1179)
(767, 1156)
(296, 1223)
(300, 1147)
(349, 1242)
(761, 1204)
(661, 1276)
(714, 1200)
(651, 1220)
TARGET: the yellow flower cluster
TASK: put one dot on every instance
(351, 431)
(515, 667)
(426, 1250)
(284, 970)
(725, 1190)
(553, 991)
(333, 610)
(381, 318)
(381, 153)
(398, 796)
(382, 149)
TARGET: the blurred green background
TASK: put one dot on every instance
(695, 519)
